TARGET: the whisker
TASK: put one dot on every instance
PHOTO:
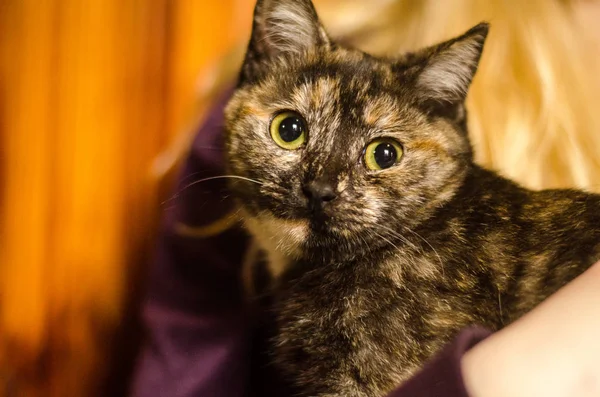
(430, 246)
(210, 178)
(395, 233)
(176, 195)
(500, 307)
(386, 240)
(192, 175)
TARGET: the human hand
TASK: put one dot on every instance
(553, 351)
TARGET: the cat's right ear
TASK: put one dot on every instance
(281, 27)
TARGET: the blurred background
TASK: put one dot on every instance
(91, 93)
(99, 99)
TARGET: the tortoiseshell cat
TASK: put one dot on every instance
(383, 237)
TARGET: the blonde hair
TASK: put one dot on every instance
(533, 104)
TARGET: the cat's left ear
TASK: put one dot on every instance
(282, 27)
(450, 67)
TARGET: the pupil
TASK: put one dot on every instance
(385, 155)
(290, 129)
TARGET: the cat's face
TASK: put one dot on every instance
(348, 151)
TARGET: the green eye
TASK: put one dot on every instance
(288, 130)
(382, 153)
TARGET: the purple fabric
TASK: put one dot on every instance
(442, 375)
(197, 329)
(199, 333)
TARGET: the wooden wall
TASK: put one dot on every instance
(91, 92)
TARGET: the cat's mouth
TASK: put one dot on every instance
(318, 215)
(288, 214)
(319, 220)
(324, 227)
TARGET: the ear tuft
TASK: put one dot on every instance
(282, 27)
(289, 26)
(451, 67)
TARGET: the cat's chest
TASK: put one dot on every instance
(361, 318)
(355, 297)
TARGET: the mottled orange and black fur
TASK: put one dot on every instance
(373, 282)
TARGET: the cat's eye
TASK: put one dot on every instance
(288, 130)
(382, 153)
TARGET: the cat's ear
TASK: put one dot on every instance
(451, 66)
(282, 27)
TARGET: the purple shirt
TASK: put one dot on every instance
(199, 332)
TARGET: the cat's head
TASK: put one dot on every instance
(348, 150)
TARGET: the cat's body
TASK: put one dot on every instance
(361, 325)
(383, 237)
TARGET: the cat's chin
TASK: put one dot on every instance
(318, 236)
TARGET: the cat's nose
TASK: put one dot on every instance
(319, 192)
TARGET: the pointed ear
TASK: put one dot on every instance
(281, 27)
(449, 70)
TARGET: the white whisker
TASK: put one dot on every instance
(395, 233)
(210, 179)
(386, 240)
(430, 246)
(405, 240)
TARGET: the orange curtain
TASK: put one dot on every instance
(90, 93)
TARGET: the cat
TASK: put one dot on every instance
(383, 238)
